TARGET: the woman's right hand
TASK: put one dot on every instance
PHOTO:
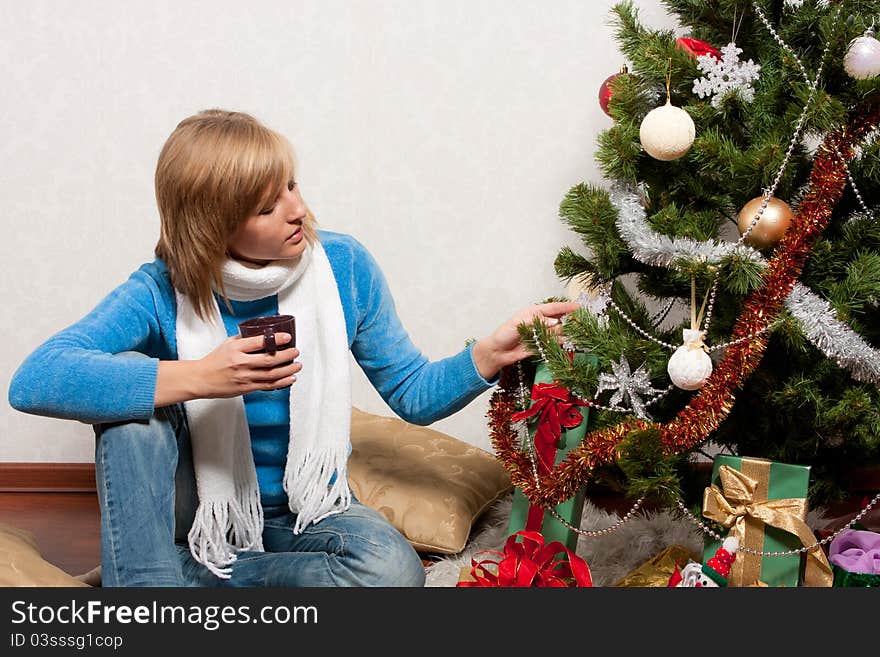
(232, 369)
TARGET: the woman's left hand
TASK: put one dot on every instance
(503, 346)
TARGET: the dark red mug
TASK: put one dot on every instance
(268, 326)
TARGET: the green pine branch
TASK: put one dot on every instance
(588, 210)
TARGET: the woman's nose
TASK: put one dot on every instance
(296, 203)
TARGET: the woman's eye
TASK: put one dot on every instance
(290, 185)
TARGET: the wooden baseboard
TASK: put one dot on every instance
(47, 478)
(80, 478)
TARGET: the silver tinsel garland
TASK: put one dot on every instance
(814, 315)
(652, 248)
(832, 337)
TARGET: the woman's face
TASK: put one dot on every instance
(273, 232)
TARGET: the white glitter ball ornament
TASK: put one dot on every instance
(690, 365)
(667, 132)
(862, 59)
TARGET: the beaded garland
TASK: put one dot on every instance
(708, 408)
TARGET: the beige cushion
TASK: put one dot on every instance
(21, 563)
(430, 486)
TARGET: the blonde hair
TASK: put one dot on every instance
(215, 170)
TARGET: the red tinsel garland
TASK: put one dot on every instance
(712, 404)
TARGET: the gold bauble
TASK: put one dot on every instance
(772, 225)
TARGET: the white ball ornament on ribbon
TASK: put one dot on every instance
(862, 59)
(690, 365)
(667, 132)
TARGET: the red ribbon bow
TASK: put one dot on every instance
(557, 408)
(530, 563)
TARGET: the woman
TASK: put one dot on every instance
(217, 465)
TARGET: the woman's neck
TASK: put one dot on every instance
(250, 264)
(253, 264)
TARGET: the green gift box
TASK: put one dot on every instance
(572, 508)
(775, 481)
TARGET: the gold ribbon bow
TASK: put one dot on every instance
(737, 506)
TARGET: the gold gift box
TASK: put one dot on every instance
(659, 568)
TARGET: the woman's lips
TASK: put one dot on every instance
(297, 236)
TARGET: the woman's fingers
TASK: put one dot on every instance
(556, 309)
(278, 358)
(281, 357)
(275, 373)
(256, 344)
(250, 345)
(554, 326)
(267, 371)
(552, 313)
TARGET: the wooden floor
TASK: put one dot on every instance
(67, 526)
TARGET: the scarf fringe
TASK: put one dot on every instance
(207, 537)
(246, 531)
(307, 484)
(224, 527)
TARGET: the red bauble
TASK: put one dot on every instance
(605, 90)
(695, 47)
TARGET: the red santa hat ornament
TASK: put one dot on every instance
(718, 567)
(713, 573)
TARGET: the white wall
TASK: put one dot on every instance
(443, 134)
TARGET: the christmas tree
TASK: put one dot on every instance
(730, 273)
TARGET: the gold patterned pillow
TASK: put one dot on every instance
(429, 485)
(21, 563)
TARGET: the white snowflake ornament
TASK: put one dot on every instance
(628, 386)
(727, 76)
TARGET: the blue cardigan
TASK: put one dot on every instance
(76, 375)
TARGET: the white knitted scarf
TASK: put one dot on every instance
(230, 517)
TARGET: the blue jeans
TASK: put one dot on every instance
(147, 492)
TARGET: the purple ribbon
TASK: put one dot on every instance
(856, 551)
